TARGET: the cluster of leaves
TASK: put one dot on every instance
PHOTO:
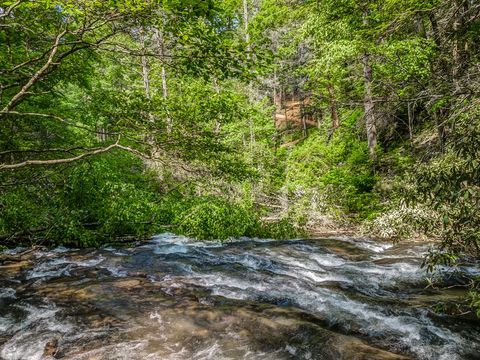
(83, 205)
(450, 184)
(210, 217)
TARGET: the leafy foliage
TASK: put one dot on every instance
(340, 168)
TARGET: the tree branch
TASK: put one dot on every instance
(10, 9)
(41, 151)
(37, 76)
(72, 159)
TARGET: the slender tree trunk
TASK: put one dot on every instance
(245, 25)
(247, 40)
(218, 123)
(441, 68)
(438, 115)
(146, 80)
(304, 126)
(161, 48)
(369, 107)
(160, 42)
(332, 103)
(456, 66)
(410, 110)
(458, 51)
(435, 31)
(146, 84)
(145, 70)
(419, 25)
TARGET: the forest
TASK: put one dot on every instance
(227, 119)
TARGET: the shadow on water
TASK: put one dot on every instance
(174, 298)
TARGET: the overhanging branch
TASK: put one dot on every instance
(72, 159)
(37, 76)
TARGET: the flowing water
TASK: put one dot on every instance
(175, 298)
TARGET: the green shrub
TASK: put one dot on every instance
(87, 204)
(338, 168)
(214, 218)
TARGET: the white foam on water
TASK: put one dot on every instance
(6, 322)
(117, 272)
(156, 316)
(167, 243)
(327, 260)
(61, 250)
(378, 275)
(90, 262)
(315, 277)
(366, 244)
(14, 251)
(310, 269)
(371, 321)
(115, 251)
(30, 336)
(7, 293)
(210, 352)
(217, 281)
(297, 263)
(58, 267)
(128, 350)
(170, 249)
(368, 319)
(24, 346)
(291, 349)
(50, 269)
(294, 272)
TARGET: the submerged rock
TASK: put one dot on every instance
(50, 349)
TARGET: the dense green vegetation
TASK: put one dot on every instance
(225, 118)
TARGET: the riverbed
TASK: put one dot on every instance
(177, 298)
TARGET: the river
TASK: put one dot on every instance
(176, 298)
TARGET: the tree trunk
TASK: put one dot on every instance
(145, 70)
(369, 107)
(435, 31)
(458, 51)
(245, 25)
(247, 40)
(411, 114)
(218, 122)
(161, 49)
(419, 25)
(332, 103)
(438, 115)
